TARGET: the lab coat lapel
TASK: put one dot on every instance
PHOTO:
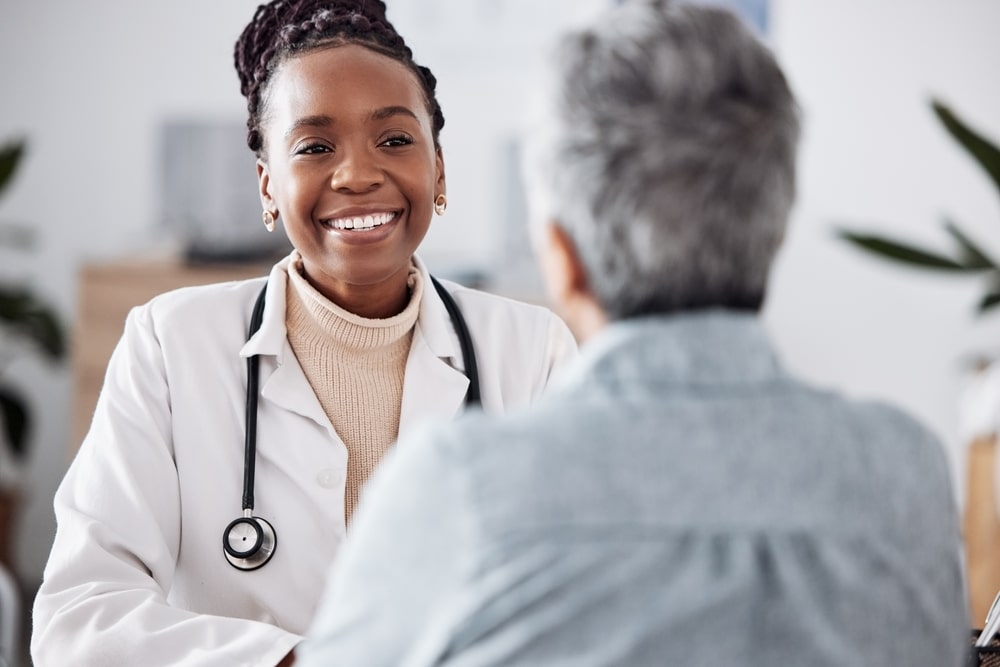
(282, 380)
(288, 388)
(435, 384)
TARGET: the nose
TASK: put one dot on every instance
(356, 171)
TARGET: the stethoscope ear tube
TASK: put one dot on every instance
(464, 341)
(249, 541)
(250, 420)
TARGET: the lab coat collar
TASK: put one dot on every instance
(433, 320)
(435, 323)
(271, 338)
(284, 384)
(435, 384)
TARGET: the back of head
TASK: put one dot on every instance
(668, 156)
(283, 28)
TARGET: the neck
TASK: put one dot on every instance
(587, 323)
(581, 312)
(376, 301)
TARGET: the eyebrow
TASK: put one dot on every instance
(308, 121)
(389, 112)
(327, 121)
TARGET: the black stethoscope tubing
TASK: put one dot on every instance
(249, 541)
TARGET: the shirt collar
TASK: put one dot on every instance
(711, 347)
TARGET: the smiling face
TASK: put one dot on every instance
(350, 166)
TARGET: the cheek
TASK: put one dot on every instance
(424, 181)
(290, 190)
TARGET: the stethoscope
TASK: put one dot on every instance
(249, 541)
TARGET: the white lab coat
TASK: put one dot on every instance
(137, 575)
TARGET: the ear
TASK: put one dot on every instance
(439, 166)
(264, 185)
(561, 267)
(568, 284)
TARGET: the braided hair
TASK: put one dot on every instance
(283, 28)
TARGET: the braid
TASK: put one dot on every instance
(282, 28)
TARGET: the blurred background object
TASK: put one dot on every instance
(979, 425)
(208, 194)
(28, 325)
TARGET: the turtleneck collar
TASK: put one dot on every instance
(309, 310)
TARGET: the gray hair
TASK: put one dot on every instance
(668, 157)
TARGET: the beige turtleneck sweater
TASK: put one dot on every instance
(355, 365)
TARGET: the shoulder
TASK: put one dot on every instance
(900, 434)
(197, 310)
(874, 421)
(204, 299)
(488, 307)
(492, 317)
(501, 322)
(876, 442)
(483, 443)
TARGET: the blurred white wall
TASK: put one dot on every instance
(874, 155)
(89, 84)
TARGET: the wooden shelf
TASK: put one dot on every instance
(107, 292)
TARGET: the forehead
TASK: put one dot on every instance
(341, 79)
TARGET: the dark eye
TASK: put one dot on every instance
(397, 140)
(312, 149)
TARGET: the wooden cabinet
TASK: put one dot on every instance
(107, 292)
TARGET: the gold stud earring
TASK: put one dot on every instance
(269, 221)
(440, 204)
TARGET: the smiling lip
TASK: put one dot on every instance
(361, 222)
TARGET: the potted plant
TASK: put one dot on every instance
(27, 324)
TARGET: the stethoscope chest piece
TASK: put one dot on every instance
(249, 542)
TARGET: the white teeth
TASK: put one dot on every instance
(366, 222)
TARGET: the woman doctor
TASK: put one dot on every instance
(159, 558)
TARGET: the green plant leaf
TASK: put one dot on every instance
(972, 256)
(16, 419)
(982, 149)
(27, 316)
(903, 253)
(989, 301)
(10, 157)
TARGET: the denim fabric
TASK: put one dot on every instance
(677, 499)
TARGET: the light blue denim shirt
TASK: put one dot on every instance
(677, 499)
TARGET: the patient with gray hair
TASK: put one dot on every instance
(678, 498)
